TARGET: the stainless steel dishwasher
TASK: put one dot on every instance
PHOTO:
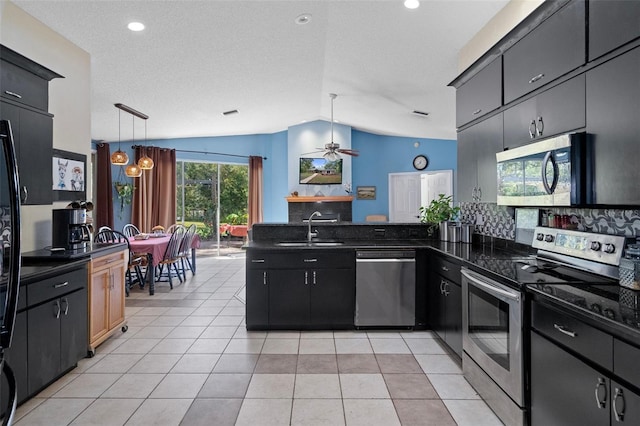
(385, 288)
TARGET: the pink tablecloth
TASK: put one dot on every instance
(154, 246)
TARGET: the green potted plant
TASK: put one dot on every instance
(438, 211)
(125, 193)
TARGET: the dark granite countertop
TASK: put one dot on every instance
(37, 257)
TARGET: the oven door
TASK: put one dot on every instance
(492, 331)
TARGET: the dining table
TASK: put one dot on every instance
(154, 247)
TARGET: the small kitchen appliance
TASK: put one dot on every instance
(69, 229)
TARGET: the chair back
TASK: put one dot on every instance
(130, 230)
(103, 228)
(111, 236)
(187, 241)
(173, 248)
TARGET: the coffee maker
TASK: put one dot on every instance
(70, 230)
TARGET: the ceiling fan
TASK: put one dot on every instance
(332, 150)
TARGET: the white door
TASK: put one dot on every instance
(404, 197)
(409, 191)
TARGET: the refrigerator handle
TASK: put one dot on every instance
(13, 284)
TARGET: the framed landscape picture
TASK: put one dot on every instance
(366, 193)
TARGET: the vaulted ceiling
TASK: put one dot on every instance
(197, 59)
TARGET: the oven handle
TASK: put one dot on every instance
(491, 289)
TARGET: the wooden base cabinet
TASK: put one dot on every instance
(106, 297)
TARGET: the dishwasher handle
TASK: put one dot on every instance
(385, 254)
(386, 260)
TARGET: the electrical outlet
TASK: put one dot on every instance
(479, 219)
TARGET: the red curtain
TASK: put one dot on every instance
(154, 195)
(255, 191)
(103, 201)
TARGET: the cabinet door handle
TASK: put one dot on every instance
(444, 268)
(264, 278)
(476, 112)
(602, 402)
(619, 413)
(57, 306)
(60, 285)
(562, 329)
(314, 278)
(14, 94)
(539, 126)
(306, 278)
(65, 302)
(257, 260)
(310, 260)
(536, 78)
(532, 129)
(25, 194)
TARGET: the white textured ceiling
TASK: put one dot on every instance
(197, 59)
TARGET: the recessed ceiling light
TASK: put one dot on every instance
(136, 26)
(411, 4)
(303, 19)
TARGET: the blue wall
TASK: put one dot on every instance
(379, 156)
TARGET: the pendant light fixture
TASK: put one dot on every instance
(119, 158)
(145, 162)
(133, 170)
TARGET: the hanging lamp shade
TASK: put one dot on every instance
(145, 163)
(119, 158)
(133, 170)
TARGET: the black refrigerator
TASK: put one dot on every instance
(9, 257)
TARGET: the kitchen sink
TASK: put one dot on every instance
(309, 244)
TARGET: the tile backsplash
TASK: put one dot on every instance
(499, 221)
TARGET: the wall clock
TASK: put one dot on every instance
(420, 162)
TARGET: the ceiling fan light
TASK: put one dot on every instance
(119, 158)
(145, 163)
(331, 156)
(133, 171)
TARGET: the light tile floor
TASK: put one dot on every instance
(187, 359)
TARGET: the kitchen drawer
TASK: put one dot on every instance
(583, 339)
(625, 362)
(22, 86)
(52, 288)
(447, 269)
(312, 259)
(107, 261)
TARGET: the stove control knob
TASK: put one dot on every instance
(595, 245)
(609, 248)
(548, 238)
(540, 236)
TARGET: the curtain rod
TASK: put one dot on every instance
(206, 152)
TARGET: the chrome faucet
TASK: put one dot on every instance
(310, 234)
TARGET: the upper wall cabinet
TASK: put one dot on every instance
(552, 49)
(552, 112)
(612, 23)
(481, 94)
(613, 107)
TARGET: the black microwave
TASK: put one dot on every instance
(553, 172)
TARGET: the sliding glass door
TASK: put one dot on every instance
(214, 196)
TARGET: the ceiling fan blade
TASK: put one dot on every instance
(352, 152)
(313, 152)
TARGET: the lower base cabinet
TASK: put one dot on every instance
(57, 337)
(311, 290)
(444, 294)
(567, 391)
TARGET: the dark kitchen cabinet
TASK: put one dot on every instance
(612, 23)
(481, 94)
(16, 357)
(300, 290)
(33, 138)
(613, 103)
(476, 171)
(554, 48)
(564, 389)
(445, 303)
(552, 112)
(57, 337)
